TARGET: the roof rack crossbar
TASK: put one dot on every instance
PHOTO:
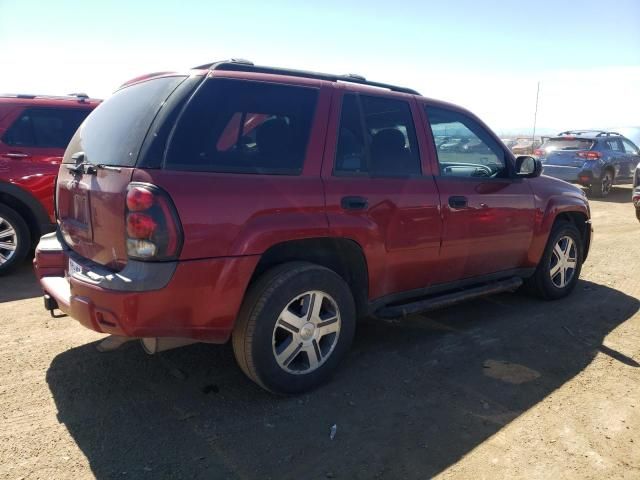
(236, 65)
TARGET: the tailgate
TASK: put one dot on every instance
(91, 214)
(97, 168)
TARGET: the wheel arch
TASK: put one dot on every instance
(582, 223)
(342, 255)
(29, 208)
(570, 208)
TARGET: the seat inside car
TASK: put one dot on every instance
(389, 153)
(274, 139)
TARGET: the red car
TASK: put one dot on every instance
(275, 207)
(34, 131)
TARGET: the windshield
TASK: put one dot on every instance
(114, 132)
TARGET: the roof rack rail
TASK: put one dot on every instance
(609, 134)
(241, 65)
(580, 132)
(80, 97)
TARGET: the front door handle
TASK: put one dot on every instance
(458, 202)
(354, 203)
(17, 155)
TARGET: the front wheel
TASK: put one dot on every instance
(295, 325)
(559, 268)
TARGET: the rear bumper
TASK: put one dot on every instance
(196, 299)
(570, 174)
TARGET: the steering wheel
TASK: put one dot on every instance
(482, 171)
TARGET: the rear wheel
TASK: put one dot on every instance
(15, 239)
(296, 324)
(602, 187)
(559, 268)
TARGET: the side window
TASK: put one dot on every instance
(244, 127)
(614, 144)
(45, 127)
(20, 133)
(629, 147)
(376, 137)
(464, 148)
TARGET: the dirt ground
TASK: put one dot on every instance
(504, 387)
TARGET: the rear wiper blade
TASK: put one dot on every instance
(82, 166)
(102, 166)
(90, 168)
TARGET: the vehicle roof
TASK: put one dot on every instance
(236, 68)
(68, 101)
(240, 65)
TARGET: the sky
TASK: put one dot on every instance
(485, 55)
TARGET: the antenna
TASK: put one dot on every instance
(535, 119)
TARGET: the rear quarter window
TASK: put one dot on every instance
(114, 132)
(239, 126)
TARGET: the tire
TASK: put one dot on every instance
(15, 239)
(602, 187)
(270, 351)
(543, 283)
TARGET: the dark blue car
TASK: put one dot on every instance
(594, 159)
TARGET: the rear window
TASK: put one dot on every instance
(239, 126)
(115, 130)
(45, 127)
(567, 144)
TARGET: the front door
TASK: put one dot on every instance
(488, 214)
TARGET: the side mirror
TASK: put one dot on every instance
(528, 167)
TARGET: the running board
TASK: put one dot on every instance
(448, 299)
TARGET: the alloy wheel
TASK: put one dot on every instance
(606, 183)
(563, 262)
(8, 241)
(306, 332)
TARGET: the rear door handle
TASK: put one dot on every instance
(354, 203)
(17, 155)
(458, 202)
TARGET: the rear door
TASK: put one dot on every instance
(377, 192)
(33, 145)
(91, 198)
(488, 215)
(617, 158)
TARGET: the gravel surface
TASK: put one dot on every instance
(504, 387)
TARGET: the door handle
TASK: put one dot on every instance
(458, 202)
(354, 203)
(17, 155)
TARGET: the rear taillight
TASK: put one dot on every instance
(538, 152)
(589, 155)
(153, 227)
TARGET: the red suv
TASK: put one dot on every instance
(275, 207)
(34, 131)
